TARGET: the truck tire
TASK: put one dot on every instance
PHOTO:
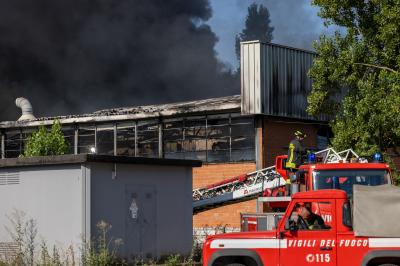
(388, 264)
(238, 264)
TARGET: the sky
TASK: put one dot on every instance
(296, 24)
(69, 56)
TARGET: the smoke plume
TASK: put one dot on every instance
(296, 23)
(74, 56)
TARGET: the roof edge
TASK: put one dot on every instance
(83, 158)
(321, 194)
(228, 103)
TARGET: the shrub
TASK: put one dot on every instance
(173, 260)
(101, 251)
(42, 142)
(98, 252)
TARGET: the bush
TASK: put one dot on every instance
(173, 260)
(43, 143)
(101, 251)
(98, 251)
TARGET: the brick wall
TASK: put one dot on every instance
(228, 215)
(396, 161)
(279, 132)
(212, 173)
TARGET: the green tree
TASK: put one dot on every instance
(257, 27)
(42, 142)
(355, 77)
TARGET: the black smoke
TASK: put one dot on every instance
(74, 56)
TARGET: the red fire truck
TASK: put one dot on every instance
(294, 242)
(316, 175)
(326, 169)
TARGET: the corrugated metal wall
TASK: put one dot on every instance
(274, 80)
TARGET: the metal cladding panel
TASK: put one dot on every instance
(275, 80)
(251, 78)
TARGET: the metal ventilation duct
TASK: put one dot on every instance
(26, 108)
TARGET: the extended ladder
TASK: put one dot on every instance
(254, 183)
(331, 156)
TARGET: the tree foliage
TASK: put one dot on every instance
(42, 142)
(257, 26)
(355, 77)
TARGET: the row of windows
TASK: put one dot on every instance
(213, 138)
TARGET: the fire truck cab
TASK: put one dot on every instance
(342, 176)
(314, 176)
(295, 242)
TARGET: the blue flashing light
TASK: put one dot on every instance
(377, 157)
(312, 158)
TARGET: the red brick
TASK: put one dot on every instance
(226, 215)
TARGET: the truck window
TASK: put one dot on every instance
(345, 179)
(312, 215)
(347, 218)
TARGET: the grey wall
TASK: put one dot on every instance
(275, 81)
(164, 200)
(51, 195)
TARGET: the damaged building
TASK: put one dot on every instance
(231, 135)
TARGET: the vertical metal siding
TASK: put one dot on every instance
(275, 80)
(251, 78)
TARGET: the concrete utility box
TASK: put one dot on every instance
(147, 201)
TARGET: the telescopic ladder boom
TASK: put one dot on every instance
(253, 184)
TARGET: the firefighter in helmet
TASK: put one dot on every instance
(296, 151)
(307, 219)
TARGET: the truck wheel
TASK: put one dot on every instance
(238, 264)
(388, 264)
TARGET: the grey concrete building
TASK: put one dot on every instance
(148, 201)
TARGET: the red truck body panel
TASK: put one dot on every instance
(333, 246)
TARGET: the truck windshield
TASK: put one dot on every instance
(345, 179)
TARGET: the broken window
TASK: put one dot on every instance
(173, 139)
(26, 133)
(195, 142)
(69, 136)
(242, 138)
(105, 139)
(147, 138)
(218, 138)
(126, 139)
(215, 138)
(15, 140)
(13, 144)
(86, 139)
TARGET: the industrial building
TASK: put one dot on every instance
(231, 135)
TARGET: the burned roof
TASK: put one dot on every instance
(212, 105)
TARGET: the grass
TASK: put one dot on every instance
(101, 251)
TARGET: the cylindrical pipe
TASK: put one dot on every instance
(26, 108)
